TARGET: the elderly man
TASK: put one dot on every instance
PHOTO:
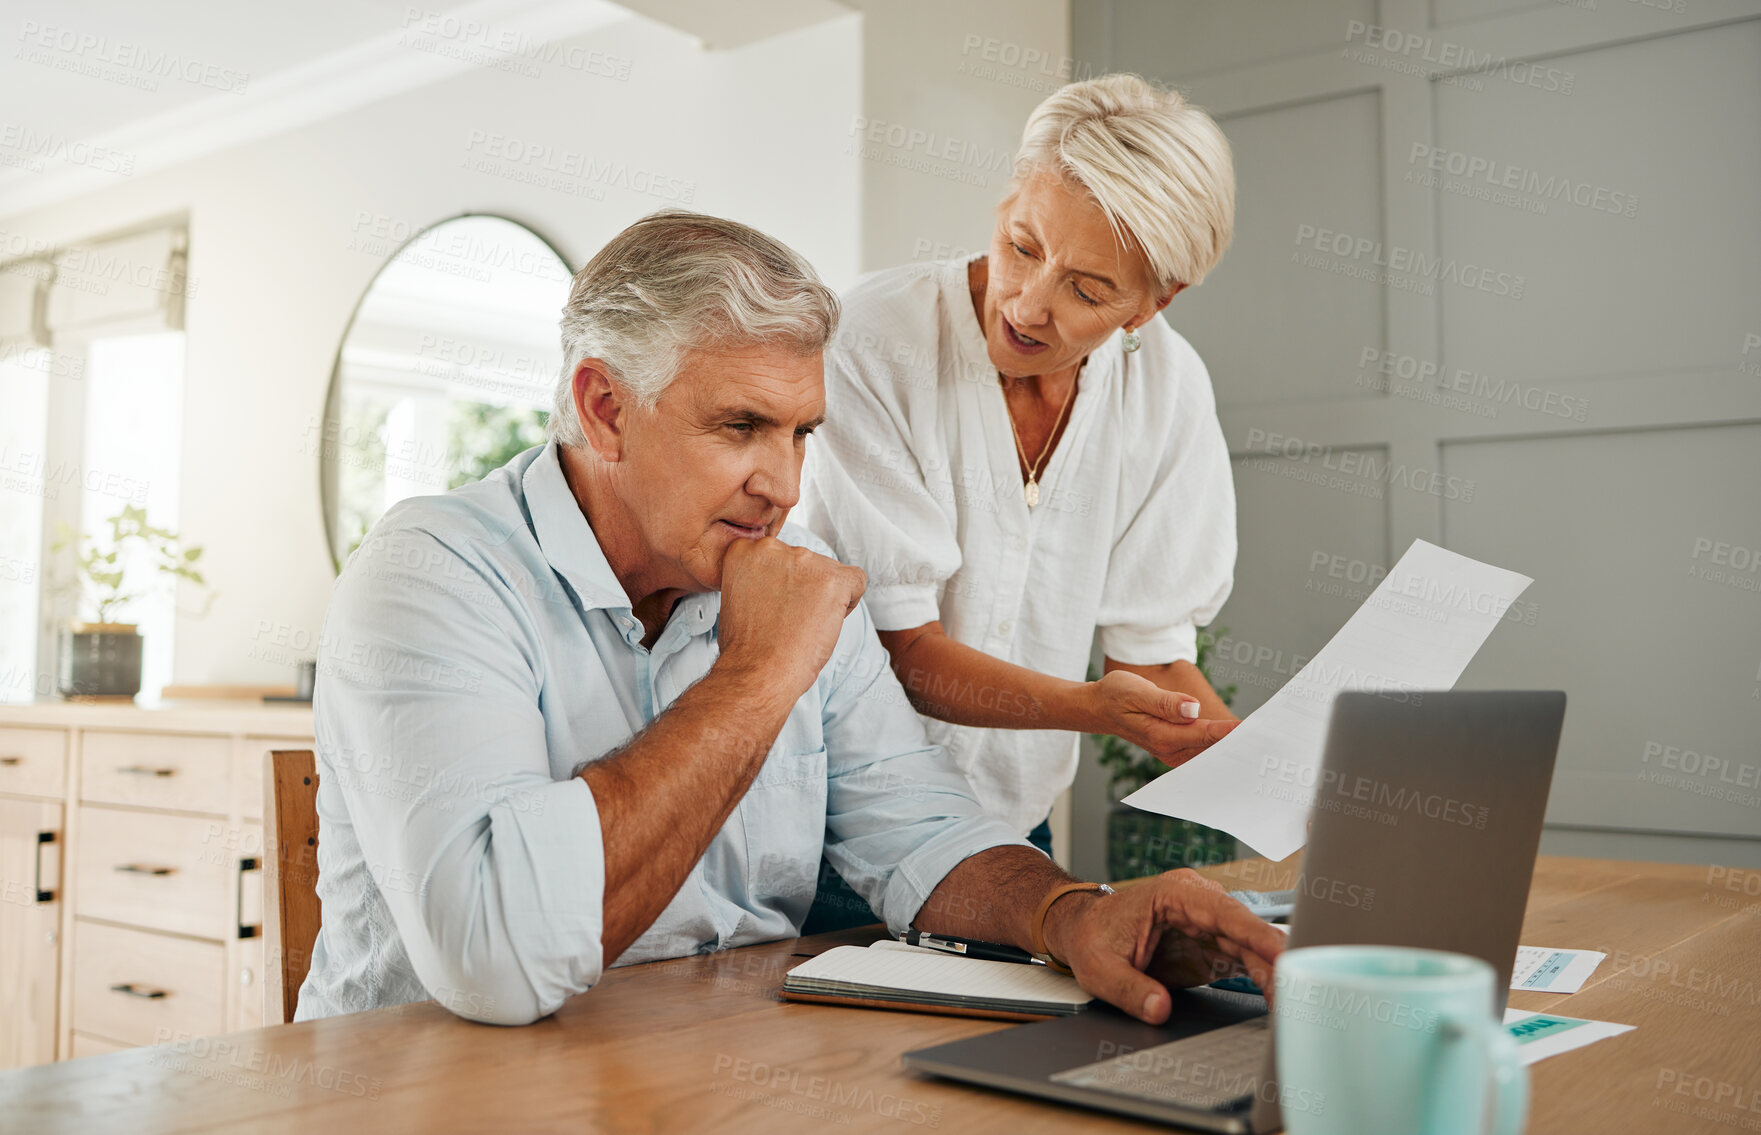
(603, 707)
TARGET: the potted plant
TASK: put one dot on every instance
(102, 658)
(1144, 843)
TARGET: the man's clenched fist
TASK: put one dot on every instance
(783, 607)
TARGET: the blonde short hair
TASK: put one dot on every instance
(1159, 168)
(677, 281)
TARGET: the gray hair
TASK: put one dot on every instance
(675, 282)
(1159, 167)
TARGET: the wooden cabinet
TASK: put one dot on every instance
(30, 929)
(135, 987)
(153, 870)
(33, 762)
(131, 852)
(157, 770)
(92, 1046)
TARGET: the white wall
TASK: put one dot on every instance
(283, 244)
(287, 232)
(947, 87)
(1565, 391)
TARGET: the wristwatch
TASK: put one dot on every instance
(1039, 918)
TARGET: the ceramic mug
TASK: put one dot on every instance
(1392, 1039)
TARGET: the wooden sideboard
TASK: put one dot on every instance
(131, 852)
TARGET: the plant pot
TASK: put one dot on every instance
(100, 660)
(1143, 843)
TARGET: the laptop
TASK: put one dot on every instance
(1423, 833)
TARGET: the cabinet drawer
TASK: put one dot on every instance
(141, 988)
(173, 873)
(33, 762)
(84, 1045)
(157, 770)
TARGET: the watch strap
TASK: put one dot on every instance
(1039, 918)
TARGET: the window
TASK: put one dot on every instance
(91, 409)
(133, 435)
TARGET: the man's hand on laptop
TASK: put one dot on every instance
(1135, 709)
(1176, 930)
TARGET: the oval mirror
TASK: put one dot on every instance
(445, 372)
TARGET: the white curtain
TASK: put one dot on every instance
(134, 283)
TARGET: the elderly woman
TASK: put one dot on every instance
(1020, 452)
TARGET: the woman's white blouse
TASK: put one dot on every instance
(914, 479)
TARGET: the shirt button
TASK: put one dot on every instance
(1017, 544)
(1005, 627)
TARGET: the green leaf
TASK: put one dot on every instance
(102, 570)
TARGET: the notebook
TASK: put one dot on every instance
(892, 975)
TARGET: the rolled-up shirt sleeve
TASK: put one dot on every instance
(1173, 564)
(899, 814)
(866, 493)
(428, 723)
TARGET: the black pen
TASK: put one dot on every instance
(970, 948)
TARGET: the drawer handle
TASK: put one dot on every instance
(10, 761)
(247, 863)
(42, 894)
(134, 990)
(143, 770)
(142, 869)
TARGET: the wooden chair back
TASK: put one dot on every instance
(290, 878)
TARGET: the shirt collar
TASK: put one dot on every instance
(572, 549)
(565, 537)
(968, 332)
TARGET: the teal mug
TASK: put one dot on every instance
(1391, 1039)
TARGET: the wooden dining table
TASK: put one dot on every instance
(703, 1043)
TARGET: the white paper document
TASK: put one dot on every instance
(1417, 631)
(1542, 969)
(1541, 1035)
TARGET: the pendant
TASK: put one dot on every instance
(1031, 492)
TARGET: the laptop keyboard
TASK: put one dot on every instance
(1212, 1070)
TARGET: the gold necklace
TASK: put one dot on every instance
(1031, 490)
